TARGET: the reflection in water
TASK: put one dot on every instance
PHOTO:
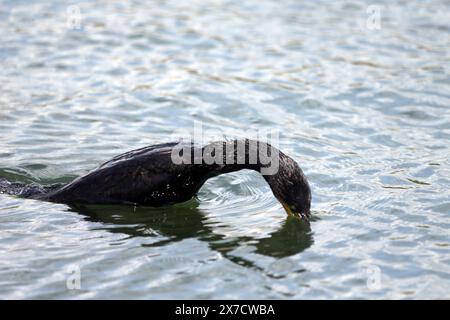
(186, 220)
(293, 237)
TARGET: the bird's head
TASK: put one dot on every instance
(291, 188)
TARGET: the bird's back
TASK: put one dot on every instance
(146, 176)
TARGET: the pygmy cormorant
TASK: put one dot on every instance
(168, 173)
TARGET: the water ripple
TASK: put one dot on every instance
(364, 112)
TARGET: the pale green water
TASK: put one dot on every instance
(364, 112)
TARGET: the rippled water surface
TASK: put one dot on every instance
(363, 110)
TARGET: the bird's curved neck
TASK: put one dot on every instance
(253, 155)
(230, 156)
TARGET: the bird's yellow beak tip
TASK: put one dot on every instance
(287, 209)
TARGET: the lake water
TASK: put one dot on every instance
(361, 104)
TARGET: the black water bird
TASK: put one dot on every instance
(150, 177)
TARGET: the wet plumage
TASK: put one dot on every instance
(149, 177)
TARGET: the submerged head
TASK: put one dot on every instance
(290, 187)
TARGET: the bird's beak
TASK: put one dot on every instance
(303, 216)
(287, 209)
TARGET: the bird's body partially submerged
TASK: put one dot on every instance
(151, 176)
(145, 176)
